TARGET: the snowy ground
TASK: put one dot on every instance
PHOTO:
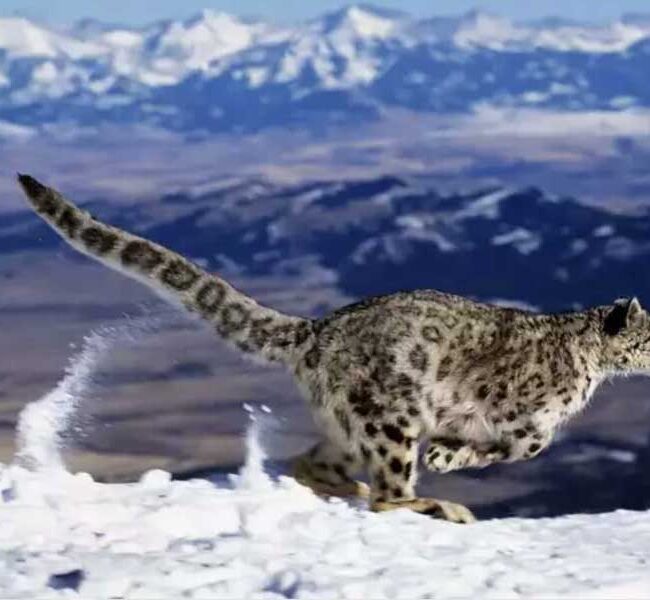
(258, 539)
(256, 536)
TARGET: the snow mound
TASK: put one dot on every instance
(162, 538)
(252, 535)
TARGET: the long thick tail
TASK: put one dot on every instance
(236, 317)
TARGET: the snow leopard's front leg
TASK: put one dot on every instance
(443, 455)
(391, 453)
(520, 443)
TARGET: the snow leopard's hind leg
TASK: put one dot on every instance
(328, 471)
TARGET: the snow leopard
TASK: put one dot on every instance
(394, 381)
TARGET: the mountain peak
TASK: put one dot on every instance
(206, 37)
(480, 18)
(480, 28)
(211, 17)
(362, 20)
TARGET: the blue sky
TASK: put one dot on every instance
(144, 11)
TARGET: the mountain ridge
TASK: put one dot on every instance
(386, 234)
(216, 72)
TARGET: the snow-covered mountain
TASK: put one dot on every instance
(218, 72)
(387, 234)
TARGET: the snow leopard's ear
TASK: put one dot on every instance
(625, 314)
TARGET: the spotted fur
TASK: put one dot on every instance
(478, 384)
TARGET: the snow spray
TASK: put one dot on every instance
(42, 423)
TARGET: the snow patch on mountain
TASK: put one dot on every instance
(487, 31)
(341, 49)
(616, 37)
(182, 47)
(486, 205)
(524, 240)
(165, 53)
(22, 38)
(480, 29)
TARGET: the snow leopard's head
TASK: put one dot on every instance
(626, 337)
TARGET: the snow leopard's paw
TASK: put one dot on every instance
(440, 509)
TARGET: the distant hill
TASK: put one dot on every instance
(387, 234)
